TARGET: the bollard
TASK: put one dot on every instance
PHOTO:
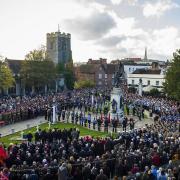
(12, 131)
(28, 126)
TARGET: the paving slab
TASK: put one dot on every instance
(20, 126)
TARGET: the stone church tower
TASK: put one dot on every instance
(59, 47)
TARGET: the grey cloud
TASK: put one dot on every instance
(108, 2)
(114, 53)
(110, 41)
(103, 2)
(93, 27)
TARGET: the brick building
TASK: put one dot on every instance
(97, 71)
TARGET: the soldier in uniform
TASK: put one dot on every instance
(99, 124)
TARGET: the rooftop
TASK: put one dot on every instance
(147, 71)
(14, 65)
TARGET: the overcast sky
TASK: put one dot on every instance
(99, 28)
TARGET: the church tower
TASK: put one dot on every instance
(59, 47)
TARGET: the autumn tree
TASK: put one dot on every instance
(6, 76)
(84, 84)
(38, 69)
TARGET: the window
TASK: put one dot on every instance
(105, 75)
(133, 81)
(100, 76)
(99, 82)
(148, 82)
(157, 83)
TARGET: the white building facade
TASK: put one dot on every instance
(151, 80)
(130, 68)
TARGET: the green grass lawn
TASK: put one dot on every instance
(83, 132)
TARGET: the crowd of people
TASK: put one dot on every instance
(27, 107)
(96, 101)
(165, 108)
(144, 153)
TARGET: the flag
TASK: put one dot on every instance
(101, 117)
(109, 118)
(92, 100)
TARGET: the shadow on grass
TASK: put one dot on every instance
(6, 140)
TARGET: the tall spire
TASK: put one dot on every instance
(145, 54)
(58, 28)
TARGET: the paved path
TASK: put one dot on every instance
(20, 126)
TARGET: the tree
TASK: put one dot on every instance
(6, 77)
(132, 90)
(154, 92)
(84, 84)
(69, 75)
(60, 68)
(38, 69)
(172, 78)
(67, 71)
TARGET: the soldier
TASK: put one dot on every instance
(113, 121)
(94, 123)
(63, 114)
(124, 123)
(72, 117)
(76, 118)
(59, 114)
(89, 120)
(67, 116)
(99, 124)
(131, 124)
(106, 123)
(49, 114)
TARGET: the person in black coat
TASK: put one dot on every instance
(124, 123)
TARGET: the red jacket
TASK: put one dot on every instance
(155, 160)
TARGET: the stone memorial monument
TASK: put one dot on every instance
(117, 106)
